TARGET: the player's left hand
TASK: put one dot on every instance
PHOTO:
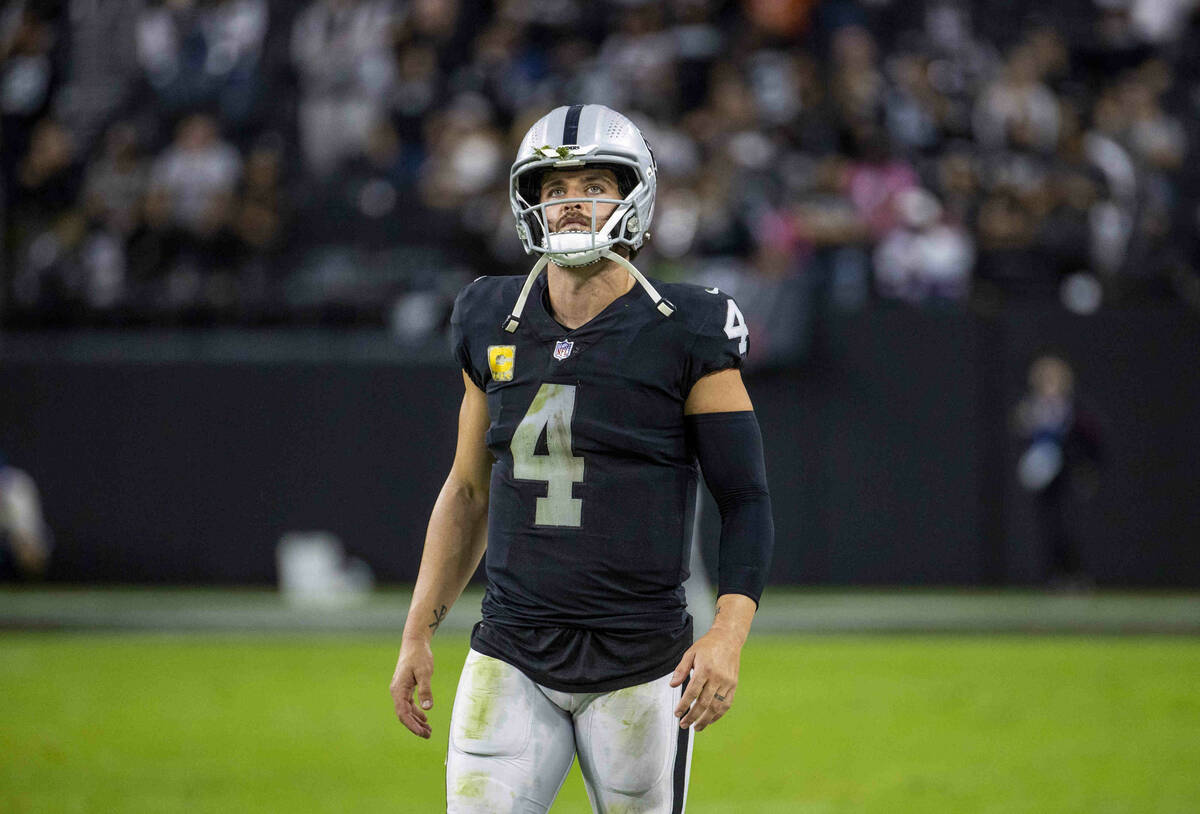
(713, 663)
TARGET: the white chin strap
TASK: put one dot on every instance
(514, 319)
(664, 306)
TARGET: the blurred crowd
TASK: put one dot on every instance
(345, 161)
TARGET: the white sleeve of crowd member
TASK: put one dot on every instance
(20, 506)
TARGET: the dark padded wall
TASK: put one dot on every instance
(890, 463)
(872, 457)
(192, 472)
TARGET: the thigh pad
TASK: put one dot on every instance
(493, 708)
(631, 737)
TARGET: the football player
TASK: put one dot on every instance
(591, 395)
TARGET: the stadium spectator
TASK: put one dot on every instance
(260, 201)
(1081, 133)
(465, 155)
(874, 179)
(259, 229)
(506, 68)
(45, 226)
(114, 187)
(113, 201)
(835, 237)
(100, 80)
(961, 62)
(914, 110)
(204, 54)
(957, 183)
(342, 53)
(371, 188)
(1017, 109)
(857, 85)
(637, 61)
(1060, 465)
(189, 205)
(923, 257)
(27, 78)
(25, 541)
(1011, 214)
(193, 181)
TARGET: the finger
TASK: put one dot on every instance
(711, 700)
(698, 711)
(690, 694)
(694, 687)
(699, 708)
(404, 701)
(721, 702)
(407, 714)
(406, 711)
(403, 684)
(709, 717)
(421, 730)
(424, 692)
(685, 667)
(706, 718)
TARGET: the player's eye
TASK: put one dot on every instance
(554, 192)
(595, 190)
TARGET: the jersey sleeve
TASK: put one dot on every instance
(720, 339)
(460, 336)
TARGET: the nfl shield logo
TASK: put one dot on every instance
(562, 349)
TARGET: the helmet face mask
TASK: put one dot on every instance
(580, 247)
(607, 140)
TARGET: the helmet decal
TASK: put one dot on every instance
(571, 125)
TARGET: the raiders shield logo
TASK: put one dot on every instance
(562, 349)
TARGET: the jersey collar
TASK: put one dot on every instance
(548, 328)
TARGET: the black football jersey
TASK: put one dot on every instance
(594, 482)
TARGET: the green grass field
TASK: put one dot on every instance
(137, 722)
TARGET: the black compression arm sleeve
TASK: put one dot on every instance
(729, 447)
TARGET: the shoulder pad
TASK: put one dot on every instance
(486, 299)
(703, 310)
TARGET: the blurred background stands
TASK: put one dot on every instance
(344, 162)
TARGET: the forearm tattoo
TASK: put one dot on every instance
(438, 616)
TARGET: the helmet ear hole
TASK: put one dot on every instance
(627, 181)
(531, 227)
(529, 186)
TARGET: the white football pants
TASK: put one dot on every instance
(512, 742)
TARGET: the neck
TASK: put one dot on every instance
(579, 294)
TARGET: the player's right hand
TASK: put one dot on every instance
(414, 668)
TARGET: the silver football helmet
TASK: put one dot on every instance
(575, 136)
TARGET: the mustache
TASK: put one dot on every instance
(572, 217)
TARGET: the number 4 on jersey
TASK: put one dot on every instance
(735, 326)
(551, 410)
